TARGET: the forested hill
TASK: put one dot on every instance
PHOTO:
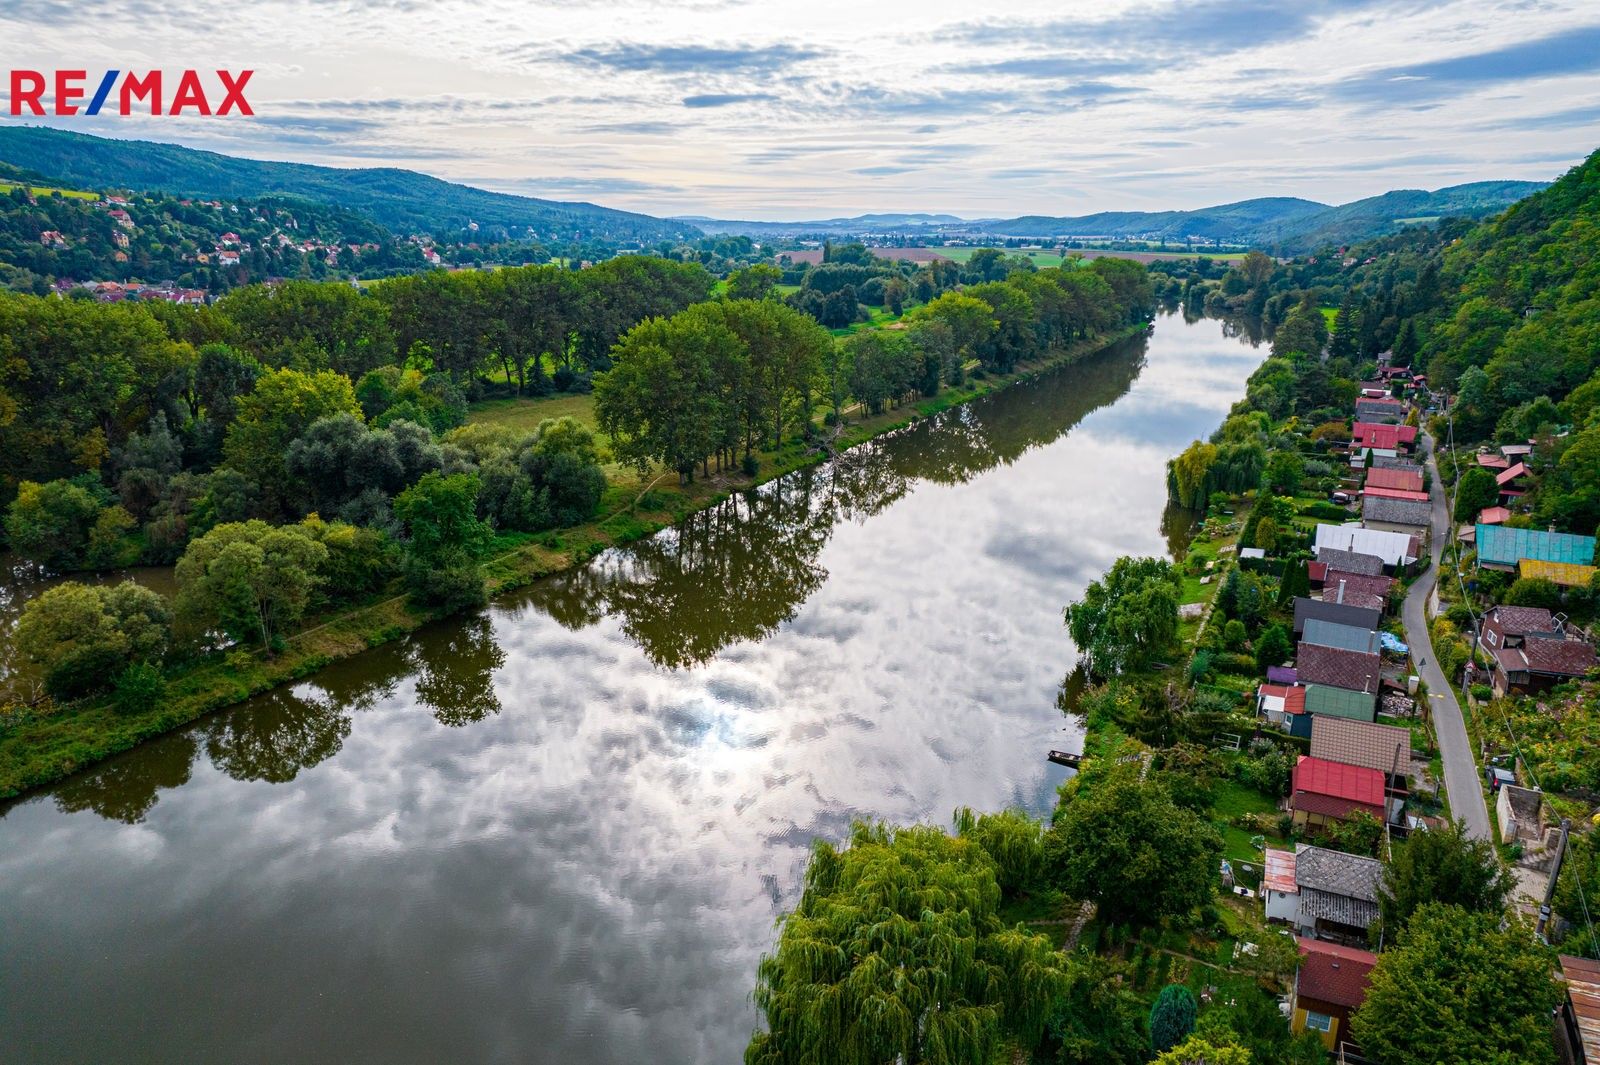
(402, 200)
(1283, 224)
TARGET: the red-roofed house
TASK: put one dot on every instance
(1493, 516)
(1394, 493)
(1279, 702)
(1376, 434)
(1510, 484)
(1322, 792)
(1491, 461)
(1400, 480)
(1330, 986)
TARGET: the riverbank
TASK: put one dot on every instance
(38, 748)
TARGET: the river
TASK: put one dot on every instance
(562, 830)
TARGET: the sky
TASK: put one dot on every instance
(820, 109)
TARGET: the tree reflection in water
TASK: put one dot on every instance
(124, 789)
(455, 677)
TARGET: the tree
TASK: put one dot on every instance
(84, 636)
(1534, 591)
(896, 952)
(753, 282)
(445, 536)
(1273, 647)
(1097, 1020)
(249, 579)
(1197, 1050)
(1285, 470)
(1189, 482)
(1444, 866)
(51, 523)
(1357, 833)
(1474, 491)
(1128, 616)
(1012, 839)
(1172, 1017)
(1124, 844)
(1460, 986)
(277, 412)
(1303, 332)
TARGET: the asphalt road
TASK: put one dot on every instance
(1461, 781)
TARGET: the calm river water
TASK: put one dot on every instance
(562, 831)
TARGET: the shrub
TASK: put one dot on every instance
(139, 688)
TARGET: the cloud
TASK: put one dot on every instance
(724, 99)
(1575, 51)
(694, 58)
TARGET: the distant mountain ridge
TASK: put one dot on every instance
(403, 200)
(1281, 223)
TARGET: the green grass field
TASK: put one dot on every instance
(1040, 258)
(46, 190)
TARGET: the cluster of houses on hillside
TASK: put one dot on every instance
(118, 291)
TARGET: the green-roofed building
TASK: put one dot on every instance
(1502, 547)
(1341, 702)
(1347, 637)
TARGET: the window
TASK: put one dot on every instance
(1320, 1021)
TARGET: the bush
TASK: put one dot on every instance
(139, 688)
(751, 465)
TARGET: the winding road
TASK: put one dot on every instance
(1461, 780)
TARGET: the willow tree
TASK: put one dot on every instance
(896, 952)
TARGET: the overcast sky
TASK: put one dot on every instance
(822, 108)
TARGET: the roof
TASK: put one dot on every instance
(1360, 743)
(1386, 462)
(1333, 973)
(1397, 511)
(1583, 992)
(1392, 547)
(1398, 479)
(1378, 408)
(1505, 546)
(1354, 582)
(1350, 561)
(1395, 493)
(1493, 462)
(1281, 675)
(1506, 476)
(1562, 658)
(1315, 609)
(1279, 874)
(1567, 574)
(1354, 784)
(1519, 620)
(1333, 634)
(1336, 872)
(1294, 700)
(1512, 450)
(1316, 571)
(1493, 515)
(1322, 700)
(1339, 668)
(1378, 434)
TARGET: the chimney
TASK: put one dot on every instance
(1340, 599)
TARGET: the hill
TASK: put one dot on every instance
(1378, 215)
(401, 200)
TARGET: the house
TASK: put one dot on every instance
(1394, 548)
(1380, 410)
(1322, 700)
(1332, 634)
(1339, 668)
(1516, 452)
(1511, 484)
(1399, 480)
(1510, 626)
(1385, 748)
(52, 238)
(1396, 464)
(1502, 547)
(1355, 589)
(1493, 516)
(1278, 889)
(1376, 434)
(228, 258)
(1330, 986)
(1578, 1020)
(1519, 813)
(1349, 561)
(1338, 613)
(1540, 664)
(1322, 792)
(1565, 574)
(1490, 461)
(1395, 493)
(1280, 703)
(1413, 517)
(1338, 893)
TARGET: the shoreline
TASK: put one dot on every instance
(44, 749)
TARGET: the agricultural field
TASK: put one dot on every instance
(6, 188)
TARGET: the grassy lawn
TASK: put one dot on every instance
(46, 190)
(1231, 800)
(525, 412)
(877, 318)
(1329, 314)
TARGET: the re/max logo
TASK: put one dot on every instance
(188, 95)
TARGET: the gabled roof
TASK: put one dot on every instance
(1521, 620)
(1336, 872)
(1356, 785)
(1324, 701)
(1493, 462)
(1583, 991)
(1381, 435)
(1385, 462)
(1395, 493)
(1561, 658)
(1505, 546)
(1404, 480)
(1397, 511)
(1333, 634)
(1308, 609)
(1354, 582)
(1350, 561)
(1393, 548)
(1511, 473)
(1493, 515)
(1361, 743)
(1338, 668)
(1333, 973)
(1566, 574)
